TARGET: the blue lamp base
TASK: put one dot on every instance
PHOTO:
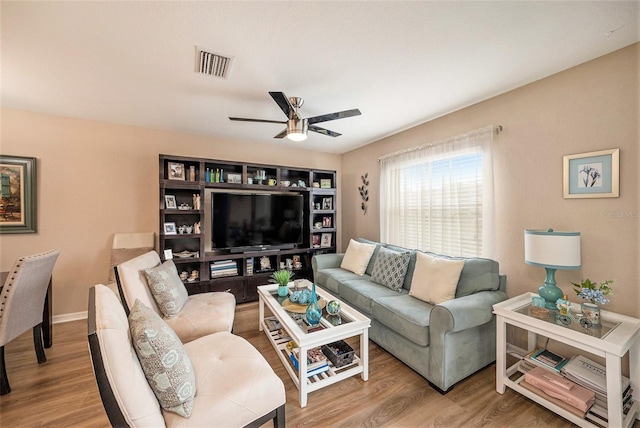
(549, 291)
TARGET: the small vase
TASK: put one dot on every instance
(314, 313)
(591, 311)
(283, 291)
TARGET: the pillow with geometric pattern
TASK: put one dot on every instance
(390, 267)
(167, 288)
(164, 360)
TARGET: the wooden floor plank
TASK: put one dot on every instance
(63, 392)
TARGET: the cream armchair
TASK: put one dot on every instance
(201, 315)
(234, 384)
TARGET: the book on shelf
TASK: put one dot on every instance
(316, 361)
(553, 400)
(590, 374)
(272, 323)
(543, 358)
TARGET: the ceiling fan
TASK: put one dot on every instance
(297, 127)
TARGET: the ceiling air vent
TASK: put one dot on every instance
(212, 64)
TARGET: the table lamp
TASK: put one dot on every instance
(552, 251)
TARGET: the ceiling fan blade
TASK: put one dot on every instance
(244, 119)
(323, 131)
(282, 134)
(334, 116)
(283, 102)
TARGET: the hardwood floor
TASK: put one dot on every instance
(63, 393)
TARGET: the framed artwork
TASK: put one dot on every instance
(176, 171)
(170, 228)
(316, 241)
(592, 175)
(327, 203)
(325, 240)
(170, 202)
(168, 254)
(234, 178)
(18, 212)
(325, 183)
(326, 222)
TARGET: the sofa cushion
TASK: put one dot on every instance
(412, 264)
(373, 256)
(357, 257)
(405, 315)
(332, 277)
(163, 359)
(435, 279)
(478, 274)
(360, 293)
(390, 268)
(137, 401)
(167, 288)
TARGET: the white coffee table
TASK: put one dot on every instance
(353, 324)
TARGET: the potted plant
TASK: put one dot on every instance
(282, 277)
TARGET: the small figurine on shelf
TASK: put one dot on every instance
(196, 227)
(196, 201)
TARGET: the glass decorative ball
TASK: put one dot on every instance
(333, 307)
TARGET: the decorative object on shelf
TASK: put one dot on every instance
(325, 240)
(184, 207)
(192, 173)
(595, 293)
(187, 254)
(196, 228)
(317, 225)
(196, 201)
(327, 203)
(552, 250)
(195, 275)
(302, 183)
(18, 194)
(314, 312)
(592, 175)
(168, 254)
(175, 171)
(297, 264)
(563, 305)
(271, 182)
(181, 229)
(249, 180)
(285, 183)
(234, 178)
(364, 192)
(265, 263)
(170, 228)
(333, 307)
(326, 222)
(170, 202)
(301, 296)
(325, 183)
(261, 175)
(335, 320)
(184, 275)
(188, 229)
(282, 278)
(315, 185)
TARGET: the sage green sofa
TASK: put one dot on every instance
(444, 343)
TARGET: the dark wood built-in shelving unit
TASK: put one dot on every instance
(318, 187)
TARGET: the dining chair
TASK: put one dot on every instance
(21, 302)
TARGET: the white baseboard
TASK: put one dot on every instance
(74, 316)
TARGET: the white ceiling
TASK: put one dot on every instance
(400, 63)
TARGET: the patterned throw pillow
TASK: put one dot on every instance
(164, 360)
(167, 288)
(390, 268)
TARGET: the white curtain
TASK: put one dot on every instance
(439, 197)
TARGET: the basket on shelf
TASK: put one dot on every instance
(339, 353)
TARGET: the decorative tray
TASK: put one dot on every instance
(187, 254)
(297, 308)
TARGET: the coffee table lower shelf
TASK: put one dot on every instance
(315, 382)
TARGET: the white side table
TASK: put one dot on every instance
(619, 335)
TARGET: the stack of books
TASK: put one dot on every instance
(316, 361)
(592, 375)
(224, 268)
(543, 358)
(250, 266)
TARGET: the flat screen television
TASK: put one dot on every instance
(241, 221)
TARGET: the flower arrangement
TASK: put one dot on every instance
(593, 291)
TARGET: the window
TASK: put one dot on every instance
(439, 197)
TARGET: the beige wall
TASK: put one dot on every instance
(590, 107)
(96, 179)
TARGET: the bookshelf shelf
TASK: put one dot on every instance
(621, 338)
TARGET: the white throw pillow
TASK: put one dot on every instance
(357, 257)
(435, 279)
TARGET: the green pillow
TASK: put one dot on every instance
(167, 288)
(164, 361)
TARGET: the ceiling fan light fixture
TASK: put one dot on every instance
(297, 129)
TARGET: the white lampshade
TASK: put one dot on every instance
(557, 250)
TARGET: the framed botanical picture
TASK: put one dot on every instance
(170, 202)
(170, 228)
(325, 183)
(592, 175)
(327, 203)
(175, 171)
(18, 195)
(325, 240)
